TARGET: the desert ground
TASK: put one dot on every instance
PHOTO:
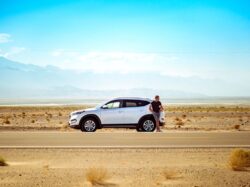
(189, 117)
(124, 167)
(135, 167)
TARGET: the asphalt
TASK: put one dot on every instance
(123, 140)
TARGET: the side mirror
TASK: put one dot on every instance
(104, 107)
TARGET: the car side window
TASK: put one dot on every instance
(115, 104)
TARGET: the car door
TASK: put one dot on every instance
(112, 113)
(133, 111)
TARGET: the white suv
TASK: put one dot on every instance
(126, 112)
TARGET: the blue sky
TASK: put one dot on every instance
(182, 38)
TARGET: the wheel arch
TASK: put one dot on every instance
(147, 116)
(92, 116)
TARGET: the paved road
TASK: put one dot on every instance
(117, 140)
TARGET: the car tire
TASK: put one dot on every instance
(88, 125)
(148, 125)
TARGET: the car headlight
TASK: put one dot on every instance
(73, 120)
(77, 113)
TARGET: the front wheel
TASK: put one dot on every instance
(89, 125)
(148, 125)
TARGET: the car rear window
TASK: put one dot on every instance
(142, 103)
(130, 104)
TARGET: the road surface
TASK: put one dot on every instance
(123, 140)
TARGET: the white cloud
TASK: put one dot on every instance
(12, 52)
(4, 38)
(120, 62)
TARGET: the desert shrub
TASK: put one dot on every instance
(3, 162)
(97, 176)
(239, 159)
(169, 174)
(237, 127)
(64, 126)
(50, 115)
(6, 121)
(46, 166)
(177, 119)
(33, 121)
(184, 116)
(179, 123)
(59, 114)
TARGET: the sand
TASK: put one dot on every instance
(126, 167)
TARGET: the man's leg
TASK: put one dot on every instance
(158, 126)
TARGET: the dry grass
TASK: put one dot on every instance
(170, 174)
(46, 166)
(190, 117)
(179, 123)
(97, 176)
(239, 159)
(3, 162)
(65, 126)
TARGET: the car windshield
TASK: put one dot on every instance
(101, 104)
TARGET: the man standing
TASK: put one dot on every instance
(156, 108)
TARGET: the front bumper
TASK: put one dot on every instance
(74, 126)
(74, 122)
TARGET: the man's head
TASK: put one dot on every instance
(157, 98)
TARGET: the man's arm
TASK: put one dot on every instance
(161, 108)
(150, 108)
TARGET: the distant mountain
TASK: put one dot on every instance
(18, 80)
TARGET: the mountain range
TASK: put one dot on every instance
(19, 80)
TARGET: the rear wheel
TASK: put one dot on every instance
(89, 125)
(148, 125)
